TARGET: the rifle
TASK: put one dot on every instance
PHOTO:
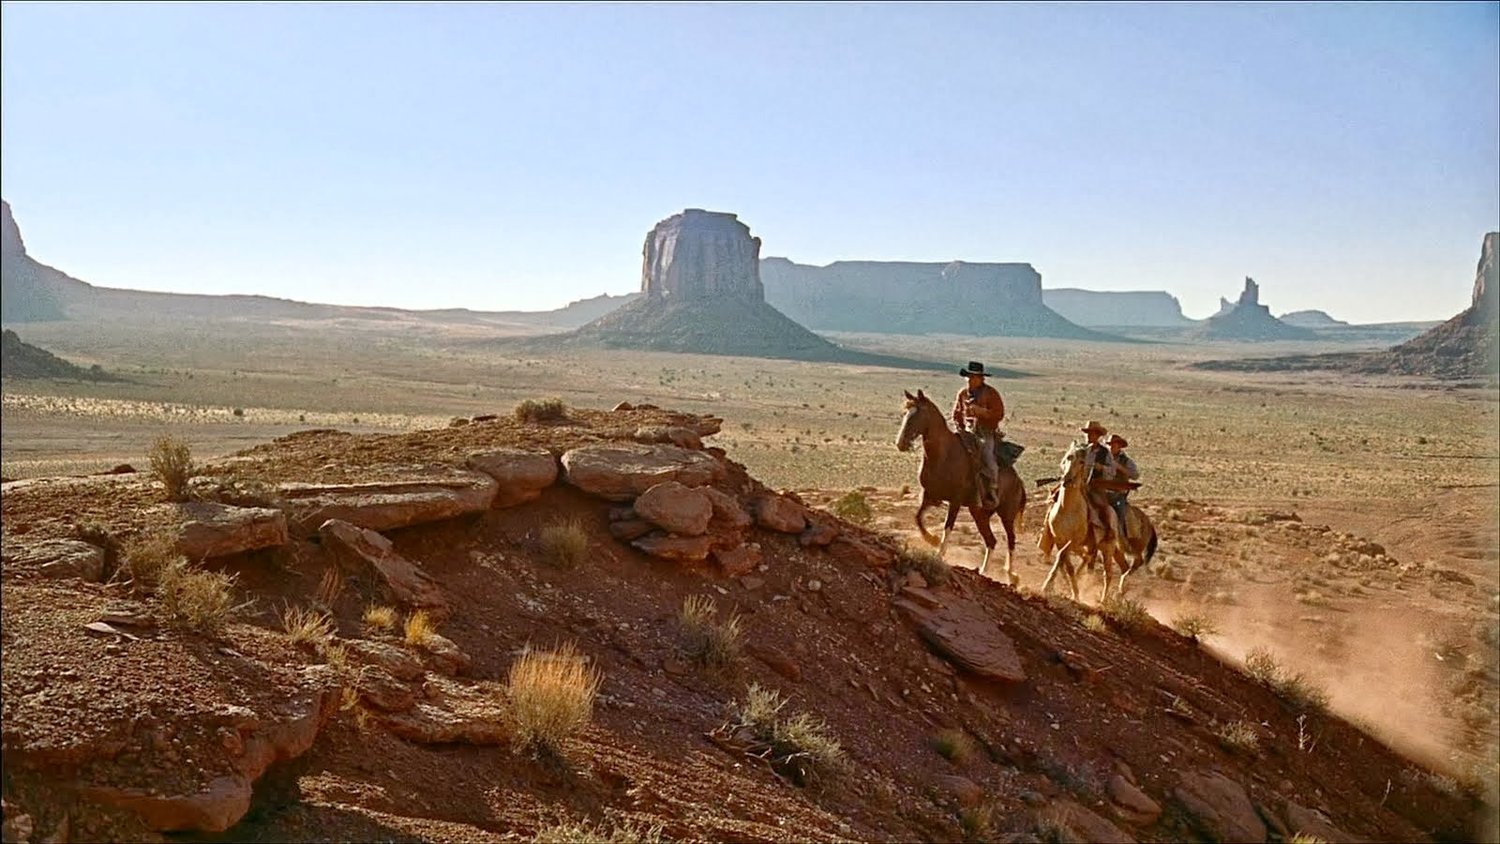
(1045, 481)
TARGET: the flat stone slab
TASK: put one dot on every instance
(210, 529)
(521, 473)
(390, 504)
(408, 583)
(622, 471)
(57, 558)
(967, 636)
(1220, 808)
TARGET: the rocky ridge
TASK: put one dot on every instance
(1061, 731)
(1248, 319)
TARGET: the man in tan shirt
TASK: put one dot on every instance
(979, 408)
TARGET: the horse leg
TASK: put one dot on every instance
(1010, 548)
(1108, 554)
(1056, 563)
(982, 521)
(922, 528)
(1072, 574)
(948, 528)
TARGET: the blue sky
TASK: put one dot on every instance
(513, 156)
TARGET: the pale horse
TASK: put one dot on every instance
(1066, 529)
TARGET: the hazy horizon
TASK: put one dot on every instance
(512, 157)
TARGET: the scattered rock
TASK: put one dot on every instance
(55, 558)
(210, 529)
(622, 407)
(964, 791)
(737, 561)
(777, 660)
(728, 514)
(407, 582)
(398, 662)
(122, 469)
(379, 689)
(963, 632)
(779, 514)
(818, 533)
(451, 713)
(861, 552)
(676, 435)
(447, 657)
(1079, 825)
(632, 529)
(17, 827)
(675, 508)
(685, 549)
(1220, 808)
(622, 471)
(521, 474)
(1300, 819)
(388, 505)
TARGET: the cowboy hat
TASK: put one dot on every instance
(1116, 438)
(1093, 426)
(974, 368)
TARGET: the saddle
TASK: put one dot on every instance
(1006, 452)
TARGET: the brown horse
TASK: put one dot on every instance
(948, 476)
(1139, 543)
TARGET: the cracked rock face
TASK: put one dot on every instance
(701, 255)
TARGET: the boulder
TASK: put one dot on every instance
(737, 561)
(396, 661)
(407, 582)
(451, 713)
(777, 513)
(967, 636)
(1219, 807)
(1300, 819)
(675, 508)
(630, 529)
(388, 505)
(1080, 825)
(521, 474)
(622, 471)
(818, 533)
(446, 656)
(674, 434)
(1132, 804)
(848, 548)
(683, 549)
(210, 529)
(777, 660)
(965, 792)
(728, 513)
(382, 691)
(56, 558)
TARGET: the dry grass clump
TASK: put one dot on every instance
(799, 746)
(565, 543)
(551, 695)
(172, 464)
(545, 410)
(419, 629)
(1195, 626)
(1306, 838)
(1095, 623)
(610, 832)
(953, 745)
(709, 642)
(854, 507)
(306, 627)
(196, 600)
(925, 562)
(1241, 736)
(978, 822)
(330, 587)
(1127, 613)
(149, 554)
(1294, 688)
(380, 619)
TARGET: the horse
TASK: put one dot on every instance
(1139, 542)
(947, 475)
(1067, 530)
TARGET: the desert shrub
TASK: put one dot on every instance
(708, 641)
(1195, 626)
(953, 745)
(925, 562)
(854, 507)
(172, 464)
(378, 618)
(149, 555)
(611, 832)
(978, 822)
(799, 746)
(306, 627)
(1294, 688)
(551, 695)
(193, 599)
(546, 410)
(1239, 735)
(420, 628)
(330, 587)
(1094, 623)
(1306, 838)
(1127, 613)
(565, 543)
(1261, 665)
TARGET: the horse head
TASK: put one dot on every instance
(1073, 463)
(914, 422)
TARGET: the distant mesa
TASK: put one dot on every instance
(19, 359)
(1463, 348)
(701, 292)
(30, 291)
(1117, 309)
(1249, 320)
(905, 297)
(1311, 319)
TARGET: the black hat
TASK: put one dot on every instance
(974, 368)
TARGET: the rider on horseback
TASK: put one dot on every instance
(1123, 469)
(1098, 464)
(980, 408)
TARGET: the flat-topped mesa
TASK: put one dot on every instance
(702, 255)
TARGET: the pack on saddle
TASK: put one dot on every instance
(1006, 455)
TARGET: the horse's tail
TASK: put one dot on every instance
(1151, 544)
(922, 528)
(1021, 513)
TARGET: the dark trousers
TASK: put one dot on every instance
(1117, 501)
